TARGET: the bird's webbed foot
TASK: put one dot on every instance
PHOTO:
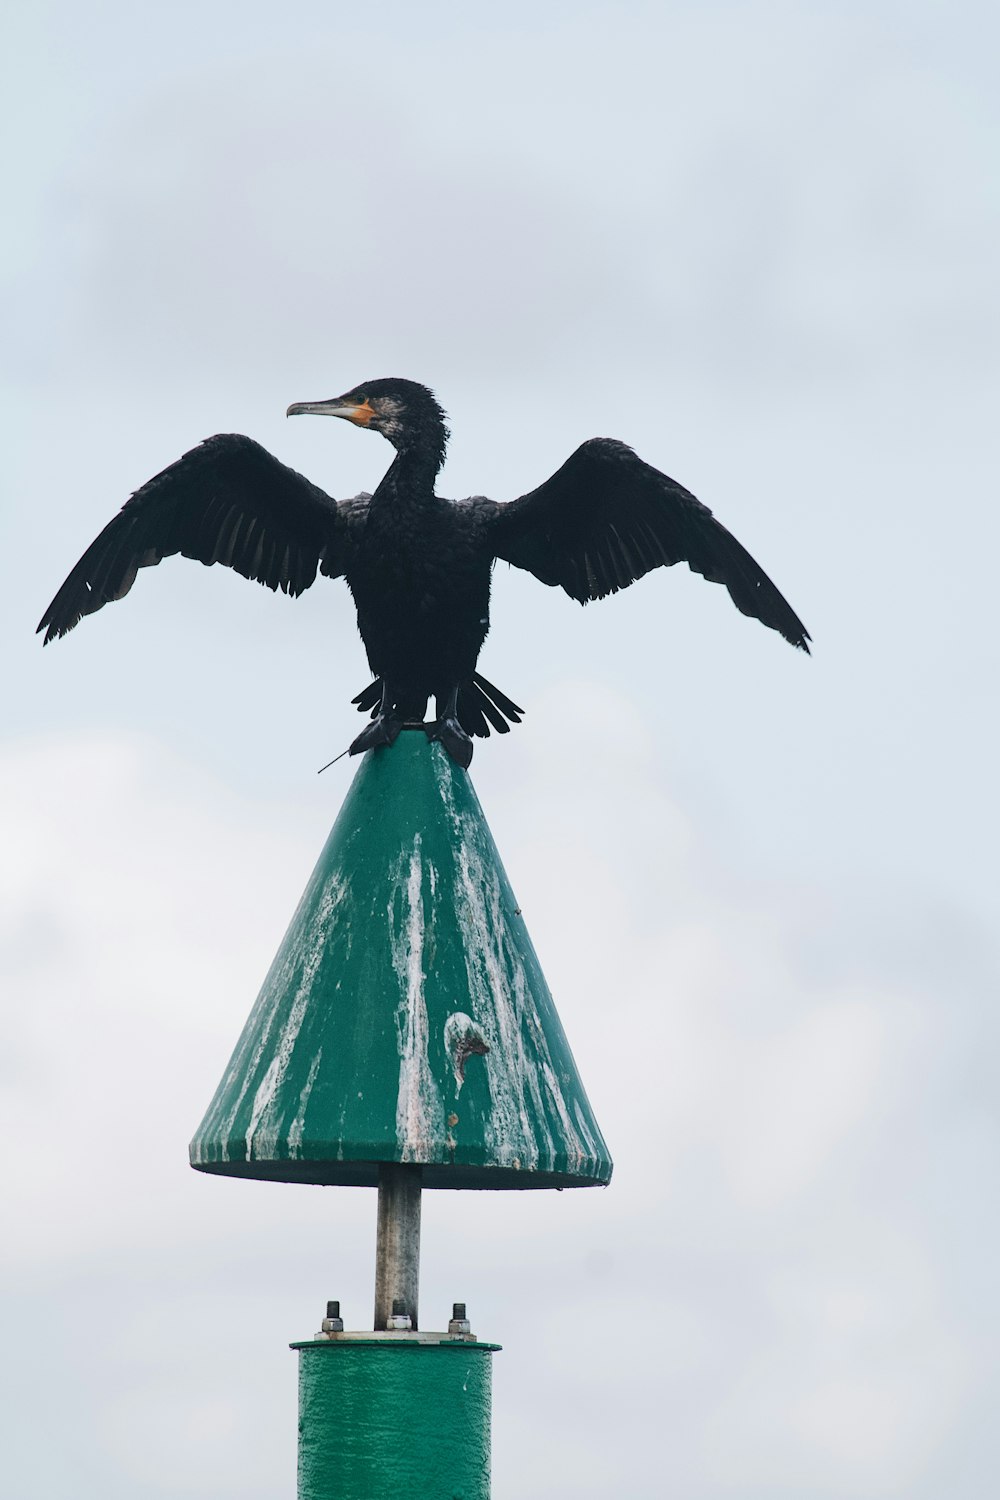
(453, 737)
(449, 731)
(381, 731)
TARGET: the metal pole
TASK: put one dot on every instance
(397, 1247)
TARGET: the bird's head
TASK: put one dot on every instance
(401, 410)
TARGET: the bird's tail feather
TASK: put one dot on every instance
(496, 706)
(480, 704)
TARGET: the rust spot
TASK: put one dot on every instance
(452, 1121)
(472, 1046)
(463, 1039)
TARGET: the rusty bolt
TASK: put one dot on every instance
(333, 1322)
(459, 1323)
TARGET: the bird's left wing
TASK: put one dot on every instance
(606, 518)
(228, 501)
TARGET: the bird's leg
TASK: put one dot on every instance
(449, 731)
(383, 729)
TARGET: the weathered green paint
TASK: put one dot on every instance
(405, 1017)
(400, 1419)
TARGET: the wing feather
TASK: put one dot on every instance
(228, 501)
(606, 518)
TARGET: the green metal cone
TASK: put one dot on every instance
(405, 1017)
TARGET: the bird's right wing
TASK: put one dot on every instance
(228, 501)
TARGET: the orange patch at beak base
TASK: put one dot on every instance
(362, 415)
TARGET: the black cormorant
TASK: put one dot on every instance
(418, 566)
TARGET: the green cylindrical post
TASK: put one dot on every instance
(396, 1416)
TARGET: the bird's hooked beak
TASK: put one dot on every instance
(358, 412)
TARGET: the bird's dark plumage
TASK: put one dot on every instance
(606, 518)
(419, 566)
(227, 501)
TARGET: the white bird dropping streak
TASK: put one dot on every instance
(263, 1131)
(418, 1104)
(297, 1127)
(519, 1064)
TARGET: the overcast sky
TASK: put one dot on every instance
(758, 242)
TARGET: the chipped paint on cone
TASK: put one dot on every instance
(405, 1017)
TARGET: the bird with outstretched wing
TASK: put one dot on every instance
(419, 566)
